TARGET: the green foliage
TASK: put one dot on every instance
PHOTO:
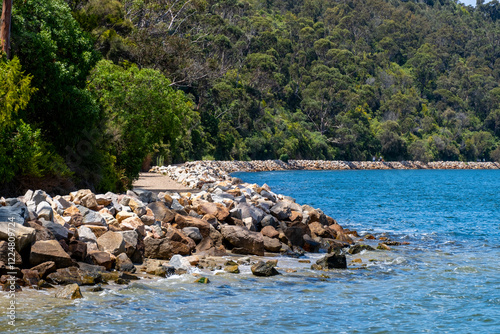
(284, 157)
(52, 47)
(22, 149)
(141, 110)
(15, 91)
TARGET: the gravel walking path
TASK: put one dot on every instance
(160, 183)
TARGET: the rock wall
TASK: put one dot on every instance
(195, 174)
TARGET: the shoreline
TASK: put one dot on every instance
(87, 239)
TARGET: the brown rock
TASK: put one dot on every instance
(103, 200)
(243, 240)
(218, 210)
(74, 275)
(98, 230)
(270, 232)
(77, 250)
(162, 212)
(111, 242)
(207, 247)
(330, 221)
(136, 204)
(319, 230)
(103, 259)
(184, 201)
(123, 263)
(187, 221)
(76, 220)
(210, 219)
(336, 227)
(295, 216)
(122, 215)
(30, 277)
(45, 268)
(165, 248)
(41, 232)
(50, 250)
(314, 215)
(71, 291)
(148, 219)
(336, 260)
(265, 269)
(235, 192)
(4, 254)
(344, 237)
(272, 244)
(295, 232)
(72, 210)
(168, 200)
(89, 201)
(134, 224)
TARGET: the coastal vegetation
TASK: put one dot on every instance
(93, 89)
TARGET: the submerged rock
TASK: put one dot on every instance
(74, 275)
(71, 291)
(335, 260)
(203, 280)
(265, 269)
(359, 248)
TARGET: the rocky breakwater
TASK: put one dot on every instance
(195, 174)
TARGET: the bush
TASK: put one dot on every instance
(284, 157)
(141, 113)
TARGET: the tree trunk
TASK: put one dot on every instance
(5, 29)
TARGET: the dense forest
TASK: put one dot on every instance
(95, 89)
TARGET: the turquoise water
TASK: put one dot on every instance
(445, 281)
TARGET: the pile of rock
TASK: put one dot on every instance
(88, 238)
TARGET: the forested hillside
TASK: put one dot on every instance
(96, 87)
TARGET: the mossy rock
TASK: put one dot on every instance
(202, 280)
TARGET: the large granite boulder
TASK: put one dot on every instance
(248, 213)
(93, 218)
(162, 212)
(165, 248)
(295, 232)
(111, 242)
(50, 250)
(12, 214)
(23, 235)
(103, 259)
(218, 210)
(283, 209)
(243, 240)
(58, 230)
(187, 221)
(272, 244)
(123, 263)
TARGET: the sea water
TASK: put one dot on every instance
(446, 280)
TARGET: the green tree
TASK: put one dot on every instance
(141, 110)
(52, 47)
